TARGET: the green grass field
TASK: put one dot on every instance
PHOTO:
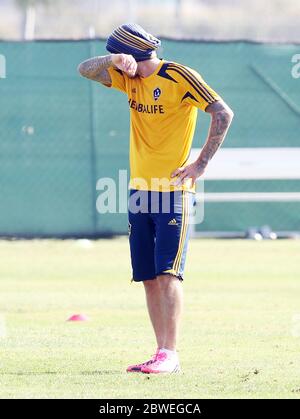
(239, 334)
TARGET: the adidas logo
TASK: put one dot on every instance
(173, 222)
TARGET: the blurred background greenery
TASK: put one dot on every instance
(268, 20)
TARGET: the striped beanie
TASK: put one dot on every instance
(134, 40)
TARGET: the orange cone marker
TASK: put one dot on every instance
(78, 318)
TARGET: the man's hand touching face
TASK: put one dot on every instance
(125, 63)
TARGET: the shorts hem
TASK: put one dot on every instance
(179, 276)
(143, 279)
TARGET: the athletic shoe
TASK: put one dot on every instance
(138, 367)
(164, 363)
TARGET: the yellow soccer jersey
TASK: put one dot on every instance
(163, 114)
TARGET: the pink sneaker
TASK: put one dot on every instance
(163, 363)
(138, 367)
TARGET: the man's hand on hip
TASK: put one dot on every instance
(191, 171)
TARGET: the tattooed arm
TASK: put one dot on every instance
(221, 117)
(96, 68)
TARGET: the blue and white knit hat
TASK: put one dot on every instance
(134, 40)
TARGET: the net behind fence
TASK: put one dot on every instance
(61, 133)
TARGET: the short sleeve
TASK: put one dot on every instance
(118, 79)
(196, 91)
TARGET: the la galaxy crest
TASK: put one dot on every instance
(156, 93)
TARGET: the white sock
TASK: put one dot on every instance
(170, 354)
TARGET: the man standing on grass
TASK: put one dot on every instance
(163, 98)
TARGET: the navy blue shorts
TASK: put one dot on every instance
(159, 227)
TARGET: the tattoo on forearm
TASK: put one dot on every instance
(220, 123)
(96, 69)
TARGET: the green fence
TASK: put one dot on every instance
(60, 133)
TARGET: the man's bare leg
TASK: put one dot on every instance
(155, 309)
(165, 300)
(172, 303)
